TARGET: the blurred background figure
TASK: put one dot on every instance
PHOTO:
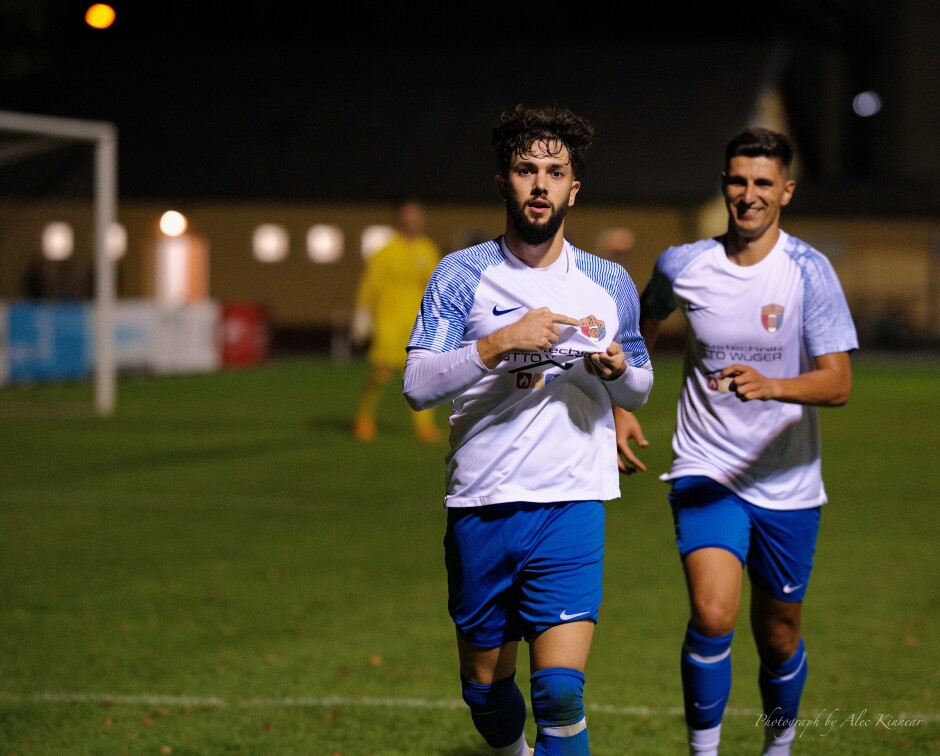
(388, 296)
(616, 244)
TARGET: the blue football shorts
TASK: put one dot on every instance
(514, 570)
(777, 546)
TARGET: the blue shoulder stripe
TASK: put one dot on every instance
(614, 279)
(449, 296)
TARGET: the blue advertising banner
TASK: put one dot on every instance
(49, 341)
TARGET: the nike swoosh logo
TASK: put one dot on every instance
(695, 308)
(566, 616)
(790, 588)
(497, 312)
(699, 706)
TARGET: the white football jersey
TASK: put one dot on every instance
(538, 427)
(776, 315)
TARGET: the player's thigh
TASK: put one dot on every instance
(712, 531)
(715, 577)
(567, 645)
(776, 625)
(486, 665)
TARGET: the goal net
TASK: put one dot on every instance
(58, 205)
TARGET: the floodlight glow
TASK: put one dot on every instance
(374, 238)
(58, 241)
(116, 241)
(270, 243)
(173, 223)
(99, 16)
(866, 104)
(324, 243)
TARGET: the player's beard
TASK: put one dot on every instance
(534, 232)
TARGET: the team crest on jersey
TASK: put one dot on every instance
(593, 328)
(771, 317)
(532, 380)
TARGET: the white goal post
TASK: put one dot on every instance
(104, 137)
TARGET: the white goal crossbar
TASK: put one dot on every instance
(104, 137)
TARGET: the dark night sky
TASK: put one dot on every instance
(218, 103)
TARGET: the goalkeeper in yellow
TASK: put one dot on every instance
(388, 296)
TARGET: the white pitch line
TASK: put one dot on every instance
(328, 701)
(111, 698)
(152, 699)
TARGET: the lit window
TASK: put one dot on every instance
(374, 238)
(270, 243)
(325, 243)
(58, 241)
(181, 270)
(172, 270)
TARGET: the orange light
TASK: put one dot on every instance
(99, 16)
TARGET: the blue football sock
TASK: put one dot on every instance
(706, 678)
(558, 708)
(781, 688)
(498, 710)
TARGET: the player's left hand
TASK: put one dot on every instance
(627, 428)
(748, 384)
(608, 365)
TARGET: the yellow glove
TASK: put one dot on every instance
(361, 327)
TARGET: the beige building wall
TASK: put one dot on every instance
(890, 268)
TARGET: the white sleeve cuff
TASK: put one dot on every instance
(632, 389)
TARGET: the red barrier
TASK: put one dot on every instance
(245, 334)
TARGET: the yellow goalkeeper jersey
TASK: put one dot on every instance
(391, 289)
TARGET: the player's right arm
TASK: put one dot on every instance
(432, 378)
(536, 330)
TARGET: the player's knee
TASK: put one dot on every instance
(776, 648)
(558, 700)
(714, 618)
(777, 639)
(498, 710)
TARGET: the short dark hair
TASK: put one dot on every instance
(760, 142)
(524, 126)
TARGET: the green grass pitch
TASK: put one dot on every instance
(219, 568)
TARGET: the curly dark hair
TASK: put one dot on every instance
(523, 126)
(760, 142)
